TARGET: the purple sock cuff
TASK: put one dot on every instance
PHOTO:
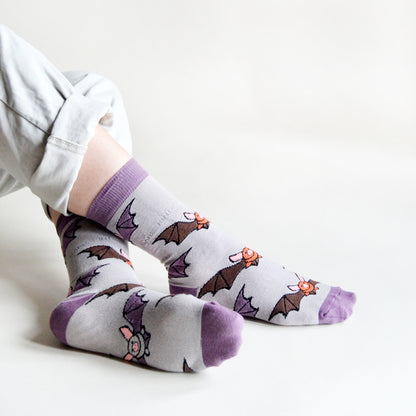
(115, 192)
(63, 221)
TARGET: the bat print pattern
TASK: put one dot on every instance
(121, 287)
(178, 231)
(125, 224)
(243, 305)
(225, 278)
(85, 280)
(178, 267)
(186, 368)
(137, 338)
(107, 252)
(291, 301)
(69, 234)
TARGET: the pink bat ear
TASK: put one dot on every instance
(300, 277)
(189, 215)
(293, 288)
(125, 330)
(123, 253)
(236, 257)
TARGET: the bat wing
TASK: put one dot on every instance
(133, 310)
(104, 252)
(163, 297)
(125, 224)
(243, 305)
(186, 368)
(85, 280)
(69, 234)
(224, 279)
(122, 287)
(178, 267)
(177, 232)
(287, 303)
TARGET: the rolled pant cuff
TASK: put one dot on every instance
(66, 145)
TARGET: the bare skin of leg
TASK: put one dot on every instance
(103, 158)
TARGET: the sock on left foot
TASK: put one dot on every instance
(204, 261)
(108, 311)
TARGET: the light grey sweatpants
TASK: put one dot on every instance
(47, 119)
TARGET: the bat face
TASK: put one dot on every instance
(250, 257)
(137, 339)
(136, 345)
(178, 231)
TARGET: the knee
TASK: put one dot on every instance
(104, 87)
(111, 90)
(4, 31)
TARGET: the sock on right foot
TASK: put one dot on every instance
(204, 261)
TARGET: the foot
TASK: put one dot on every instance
(204, 261)
(108, 311)
(213, 267)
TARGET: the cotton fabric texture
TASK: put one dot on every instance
(47, 118)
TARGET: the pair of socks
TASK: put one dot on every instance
(213, 279)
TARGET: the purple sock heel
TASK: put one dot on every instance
(220, 333)
(62, 314)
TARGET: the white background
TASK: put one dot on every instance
(289, 123)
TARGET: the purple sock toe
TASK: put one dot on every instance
(220, 333)
(337, 306)
(62, 314)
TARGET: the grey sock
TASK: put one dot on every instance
(204, 261)
(108, 311)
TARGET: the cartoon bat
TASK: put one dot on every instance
(106, 252)
(291, 301)
(243, 305)
(122, 287)
(125, 224)
(137, 338)
(225, 278)
(178, 231)
(178, 267)
(69, 234)
(162, 298)
(85, 280)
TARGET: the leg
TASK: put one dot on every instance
(45, 128)
(45, 124)
(104, 286)
(200, 258)
(109, 311)
(102, 160)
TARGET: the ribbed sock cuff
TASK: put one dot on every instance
(116, 191)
